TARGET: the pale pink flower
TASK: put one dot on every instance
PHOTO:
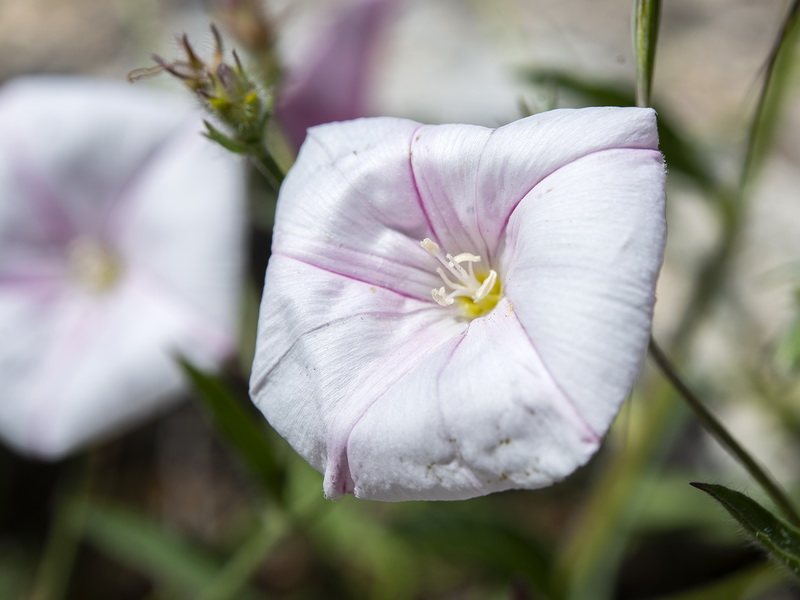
(451, 310)
(120, 245)
(333, 82)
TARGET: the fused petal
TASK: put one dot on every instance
(586, 243)
(350, 206)
(476, 387)
(487, 416)
(470, 182)
(321, 363)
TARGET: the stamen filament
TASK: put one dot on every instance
(466, 284)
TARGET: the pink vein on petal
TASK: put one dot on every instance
(434, 234)
(388, 386)
(350, 277)
(459, 457)
(478, 200)
(574, 409)
(60, 226)
(577, 158)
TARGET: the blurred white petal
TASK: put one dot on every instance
(120, 245)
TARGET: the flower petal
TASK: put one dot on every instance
(183, 220)
(470, 179)
(350, 206)
(329, 347)
(88, 154)
(446, 160)
(480, 414)
(582, 254)
(96, 364)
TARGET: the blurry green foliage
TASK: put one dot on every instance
(244, 430)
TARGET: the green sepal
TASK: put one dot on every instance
(780, 539)
(215, 135)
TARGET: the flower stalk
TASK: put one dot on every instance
(723, 436)
(646, 19)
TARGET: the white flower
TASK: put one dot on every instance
(120, 245)
(452, 310)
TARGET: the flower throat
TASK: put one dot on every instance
(475, 290)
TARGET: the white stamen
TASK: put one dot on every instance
(430, 246)
(439, 296)
(464, 283)
(487, 285)
(466, 257)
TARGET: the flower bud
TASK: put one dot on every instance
(224, 89)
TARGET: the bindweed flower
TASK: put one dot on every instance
(452, 310)
(333, 82)
(120, 245)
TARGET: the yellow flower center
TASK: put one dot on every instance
(93, 265)
(476, 292)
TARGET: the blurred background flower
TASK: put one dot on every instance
(120, 247)
(335, 79)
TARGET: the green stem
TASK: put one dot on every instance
(236, 573)
(733, 202)
(646, 18)
(774, 75)
(268, 167)
(55, 568)
(723, 436)
(587, 562)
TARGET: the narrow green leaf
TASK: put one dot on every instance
(679, 153)
(781, 64)
(55, 569)
(144, 545)
(646, 18)
(243, 431)
(780, 539)
(356, 538)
